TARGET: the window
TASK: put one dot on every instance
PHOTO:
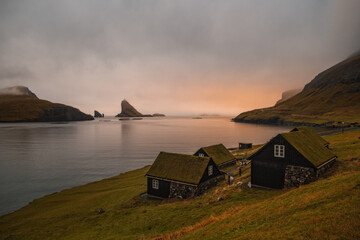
(210, 170)
(155, 184)
(279, 151)
(201, 155)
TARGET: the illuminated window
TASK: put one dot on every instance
(155, 184)
(279, 151)
(201, 155)
(210, 170)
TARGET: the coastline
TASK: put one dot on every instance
(319, 130)
(73, 213)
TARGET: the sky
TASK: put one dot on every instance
(172, 57)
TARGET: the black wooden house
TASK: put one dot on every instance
(219, 153)
(175, 175)
(245, 145)
(291, 159)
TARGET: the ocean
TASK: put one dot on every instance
(37, 159)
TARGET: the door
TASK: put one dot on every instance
(268, 174)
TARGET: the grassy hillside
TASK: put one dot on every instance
(15, 108)
(326, 209)
(334, 95)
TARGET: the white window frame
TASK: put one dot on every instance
(279, 151)
(155, 184)
(201, 155)
(210, 170)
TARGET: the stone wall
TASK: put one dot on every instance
(209, 183)
(323, 169)
(296, 176)
(182, 191)
(179, 190)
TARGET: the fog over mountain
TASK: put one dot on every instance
(178, 57)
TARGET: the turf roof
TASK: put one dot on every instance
(218, 153)
(179, 167)
(311, 133)
(310, 146)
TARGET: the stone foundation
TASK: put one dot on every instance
(323, 169)
(182, 191)
(179, 190)
(209, 183)
(296, 176)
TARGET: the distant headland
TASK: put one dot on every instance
(332, 97)
(19, 104)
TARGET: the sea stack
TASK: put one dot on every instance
(98, 115)
(19, 104)
(127, 110)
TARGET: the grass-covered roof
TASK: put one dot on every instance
(310, 133)
(310, 146)
(179, 167)
(218, 153)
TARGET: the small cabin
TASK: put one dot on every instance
(181, 176)
(291, 159)
(245, 145)
(219, 153)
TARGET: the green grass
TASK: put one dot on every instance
(325, 209)
(315, 106)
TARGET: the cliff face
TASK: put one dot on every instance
(26, 107)
(333, 95)
(127, 110)
(288, 94)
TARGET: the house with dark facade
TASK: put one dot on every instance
(245, 145)
(219, 153)
(291, 159)
(181, 176)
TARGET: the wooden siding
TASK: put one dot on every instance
(201, 151)
(268, 170)
(268, 174)
(163, 191)
(245, 145)
(216, 172)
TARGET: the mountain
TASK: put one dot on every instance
(288, 94)
(333, 95)
(18, 91)
(127, 110)
(19, 104)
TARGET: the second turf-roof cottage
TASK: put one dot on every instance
(175, 175)
(219, 153)
(291, 159)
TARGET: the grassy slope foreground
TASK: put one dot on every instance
(326, 209)
(334, 95)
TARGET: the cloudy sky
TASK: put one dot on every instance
(173, 57)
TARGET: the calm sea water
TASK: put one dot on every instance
(41, 158)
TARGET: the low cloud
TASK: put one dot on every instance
(15, 73)
(92, 54)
